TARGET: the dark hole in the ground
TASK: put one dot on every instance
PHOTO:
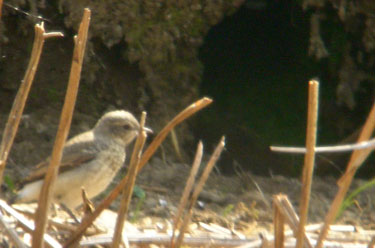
(256, 68)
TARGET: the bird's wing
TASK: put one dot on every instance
(74, 154)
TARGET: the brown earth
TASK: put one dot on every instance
(242, 199)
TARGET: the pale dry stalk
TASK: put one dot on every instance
(41, 214)
(206, 172)
(356, 159)
(290, 217)
(278, 223)
(1, 8)
(312, 118)
(187, 190)
(132, 174)
(19, 102)
(327, 149)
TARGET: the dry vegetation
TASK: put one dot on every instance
(62, 232)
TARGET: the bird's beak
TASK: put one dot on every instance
(148, 130)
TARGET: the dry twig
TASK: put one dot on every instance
(187, 190)
(22, 94)
(372, 243)
(62, 133)
(27, 224)
(1, 8)
(143, 240)
(327, 149)
(312, 117)
(278, 222)
(211, 163)
(11, 233)
(286, 210)
(356, 159)
(186, 113)
(131, 176)
(345, 236)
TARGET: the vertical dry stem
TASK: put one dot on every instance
(9, 231)
(186, 113)
(278, 223)
(312, 117)
(356, 159)
(62, 132)
(26, 224)
(372, 243)
(1, 8)
(188, 187)
(127, 192)
(211, 163)
(22, 94)
(290, 217)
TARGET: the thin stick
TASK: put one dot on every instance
(52, 34)
(11, 233)
(1, 8)
(372, 243)
(312, 117)
(190, 110)
(342, 236)
(356, 159)
(278, 222)
(145, 240)
(327, 149)
(62, 132)
(211, 163)
(127, 193)
(26, 224)
(188, 187)
(19, 102)
(186, 113)
(287, 211)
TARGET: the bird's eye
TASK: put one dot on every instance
(126, 127)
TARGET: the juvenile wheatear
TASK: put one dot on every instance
(90, 160)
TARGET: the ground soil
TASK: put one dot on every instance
(242, 200)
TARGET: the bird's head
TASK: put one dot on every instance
(119, 125)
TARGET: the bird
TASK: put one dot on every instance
(90, 160)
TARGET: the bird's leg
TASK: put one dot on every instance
(69, 212)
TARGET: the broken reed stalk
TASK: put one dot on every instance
(198, 188)
(62, 132)
(356, 159)
(128, 190)
(175, 144)
(278, 223)
(11, 233)
(312, 118)
(163, 240)
(327, 149)
(15, 114)
(285, 208)
(186, 113)
(372, 243)
(1, 8)
(26, 224)
(187, 190)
